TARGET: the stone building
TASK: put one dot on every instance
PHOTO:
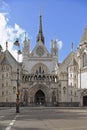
(42, 79)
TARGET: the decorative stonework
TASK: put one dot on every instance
(84, 92)
(40, 51)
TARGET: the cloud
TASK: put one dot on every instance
(60, 44)
(9, 33)
(4, 7)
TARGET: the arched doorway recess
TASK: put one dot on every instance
(84, 100)
(40, 97)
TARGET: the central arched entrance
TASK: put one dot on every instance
(40, 97)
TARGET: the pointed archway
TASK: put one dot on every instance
(40, 97)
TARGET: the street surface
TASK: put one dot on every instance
(43, 118)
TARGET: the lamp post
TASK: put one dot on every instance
(16, 43)
(17, 93)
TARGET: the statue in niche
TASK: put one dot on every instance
(25, 97)
(53, 96)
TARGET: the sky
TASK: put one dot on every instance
(63, 19)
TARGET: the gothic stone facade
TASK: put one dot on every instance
(42, 79)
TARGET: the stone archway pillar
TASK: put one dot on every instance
(29, 99)
(81, 101)
(50, 98)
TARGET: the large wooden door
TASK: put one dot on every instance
(40, 97)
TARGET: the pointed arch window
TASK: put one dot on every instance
(2, 93)
(84, 60)
(40, 69)
(2, 76)
(2, 85)
(64, 89)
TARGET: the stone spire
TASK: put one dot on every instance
(40, 36)
(25, 36)
(72, 46)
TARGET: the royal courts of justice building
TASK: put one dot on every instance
(42, 79)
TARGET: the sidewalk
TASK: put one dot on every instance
(4, 108)
(42, 107)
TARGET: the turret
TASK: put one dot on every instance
(54, 48)
(54, 52)
(26, 48)
(51, 46)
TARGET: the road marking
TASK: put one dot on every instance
(8, 128)
(11, 123)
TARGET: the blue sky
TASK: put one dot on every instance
(65, 19)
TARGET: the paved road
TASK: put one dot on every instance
(6, 115)
(43, 118)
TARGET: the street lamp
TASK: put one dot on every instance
(17, 93)
(16, 43)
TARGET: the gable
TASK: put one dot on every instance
(10, 60)
(40, 51)
(63, 66)
(5, 60)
